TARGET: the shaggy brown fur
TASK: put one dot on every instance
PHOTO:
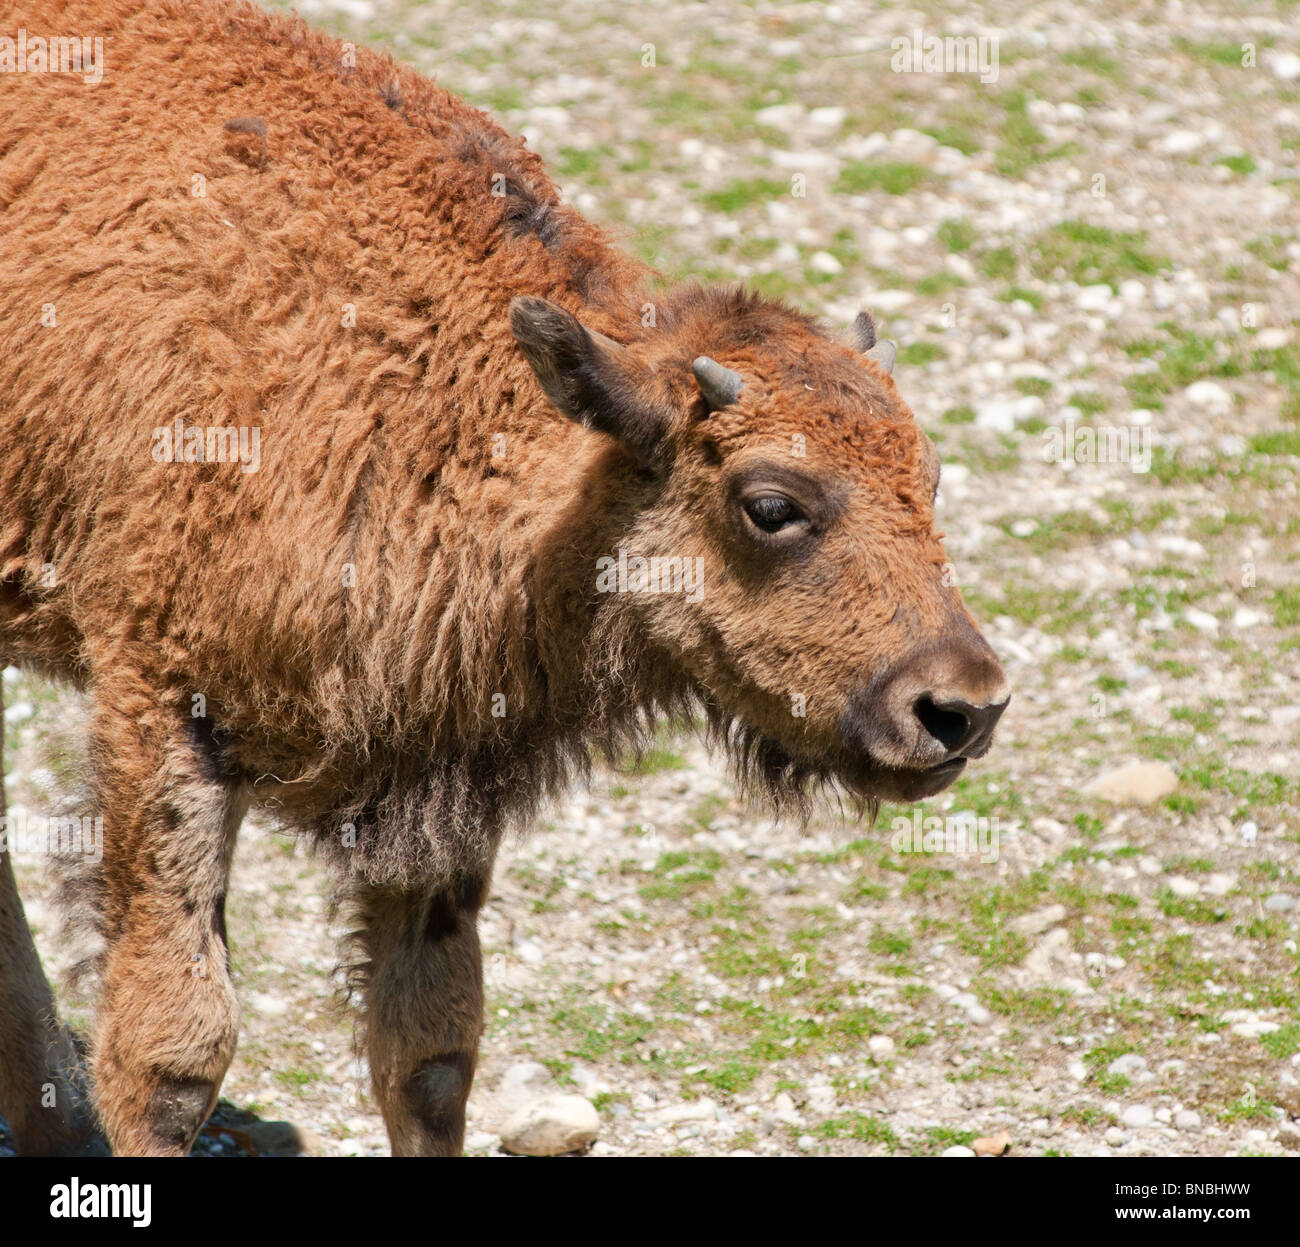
(390, 632)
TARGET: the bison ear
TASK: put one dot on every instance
(864, 332)
(591, 378)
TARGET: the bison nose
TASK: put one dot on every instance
(961, 728)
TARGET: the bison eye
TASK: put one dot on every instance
(772, 512)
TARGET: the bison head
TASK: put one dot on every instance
(825, 635)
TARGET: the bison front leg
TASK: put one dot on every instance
(168, 1018)
(424, 1011)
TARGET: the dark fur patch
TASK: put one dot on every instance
(177, 1109)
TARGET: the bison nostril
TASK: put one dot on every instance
(948, 724)
(957, 725)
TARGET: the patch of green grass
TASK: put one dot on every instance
(594, 1031)
(1283, 1042)
(860, 1126)
(1242, 164)
(936, 1139)
(957, 234)
(1091, 254)
(921, 353)
(894, 177)
(653, 762)
(1099, 1058)
(958, 415)
(1286, 606)
(1020, 142)
(1277, 442)
(1189, 908)
(998, 263)
(1034, 387)
(1211, 53)
(1248, 1108)
(584, 163)
(1094, 60)
(740, 193)
(938, 283)
(297, 1079)
(681, 872)
(1038, 1004)
(1089, 402)
(956, 135)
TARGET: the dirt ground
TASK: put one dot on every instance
(1091, 264)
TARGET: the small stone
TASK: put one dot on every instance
(1244, 617)
(1138, 783)
(805, 1143)
(997, 1145)
(1180, 141)
(267, 1005)
(824, 262)
(1039, 921)
(1002, 415)
(1280, 903)
(1201, 620)
(1137, 1116)
(1095, 298)
(1208, 394)
(830, 117)
(1284, 65)
(957, 1150)
(1254, 1029)
(1186, 1119)
(692, 1110)
(530, 952)
(1115, 1137)
(1127, 1065)
(551, 1126)
(881, 1046)
(1183, 887)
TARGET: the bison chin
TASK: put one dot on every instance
(766, 769)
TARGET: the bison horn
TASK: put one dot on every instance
(720, 386)
(883, 354)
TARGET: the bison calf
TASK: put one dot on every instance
(353, 475)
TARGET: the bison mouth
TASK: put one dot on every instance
(768, 768)
(870, 780)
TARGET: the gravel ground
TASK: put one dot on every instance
(1101, 243)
